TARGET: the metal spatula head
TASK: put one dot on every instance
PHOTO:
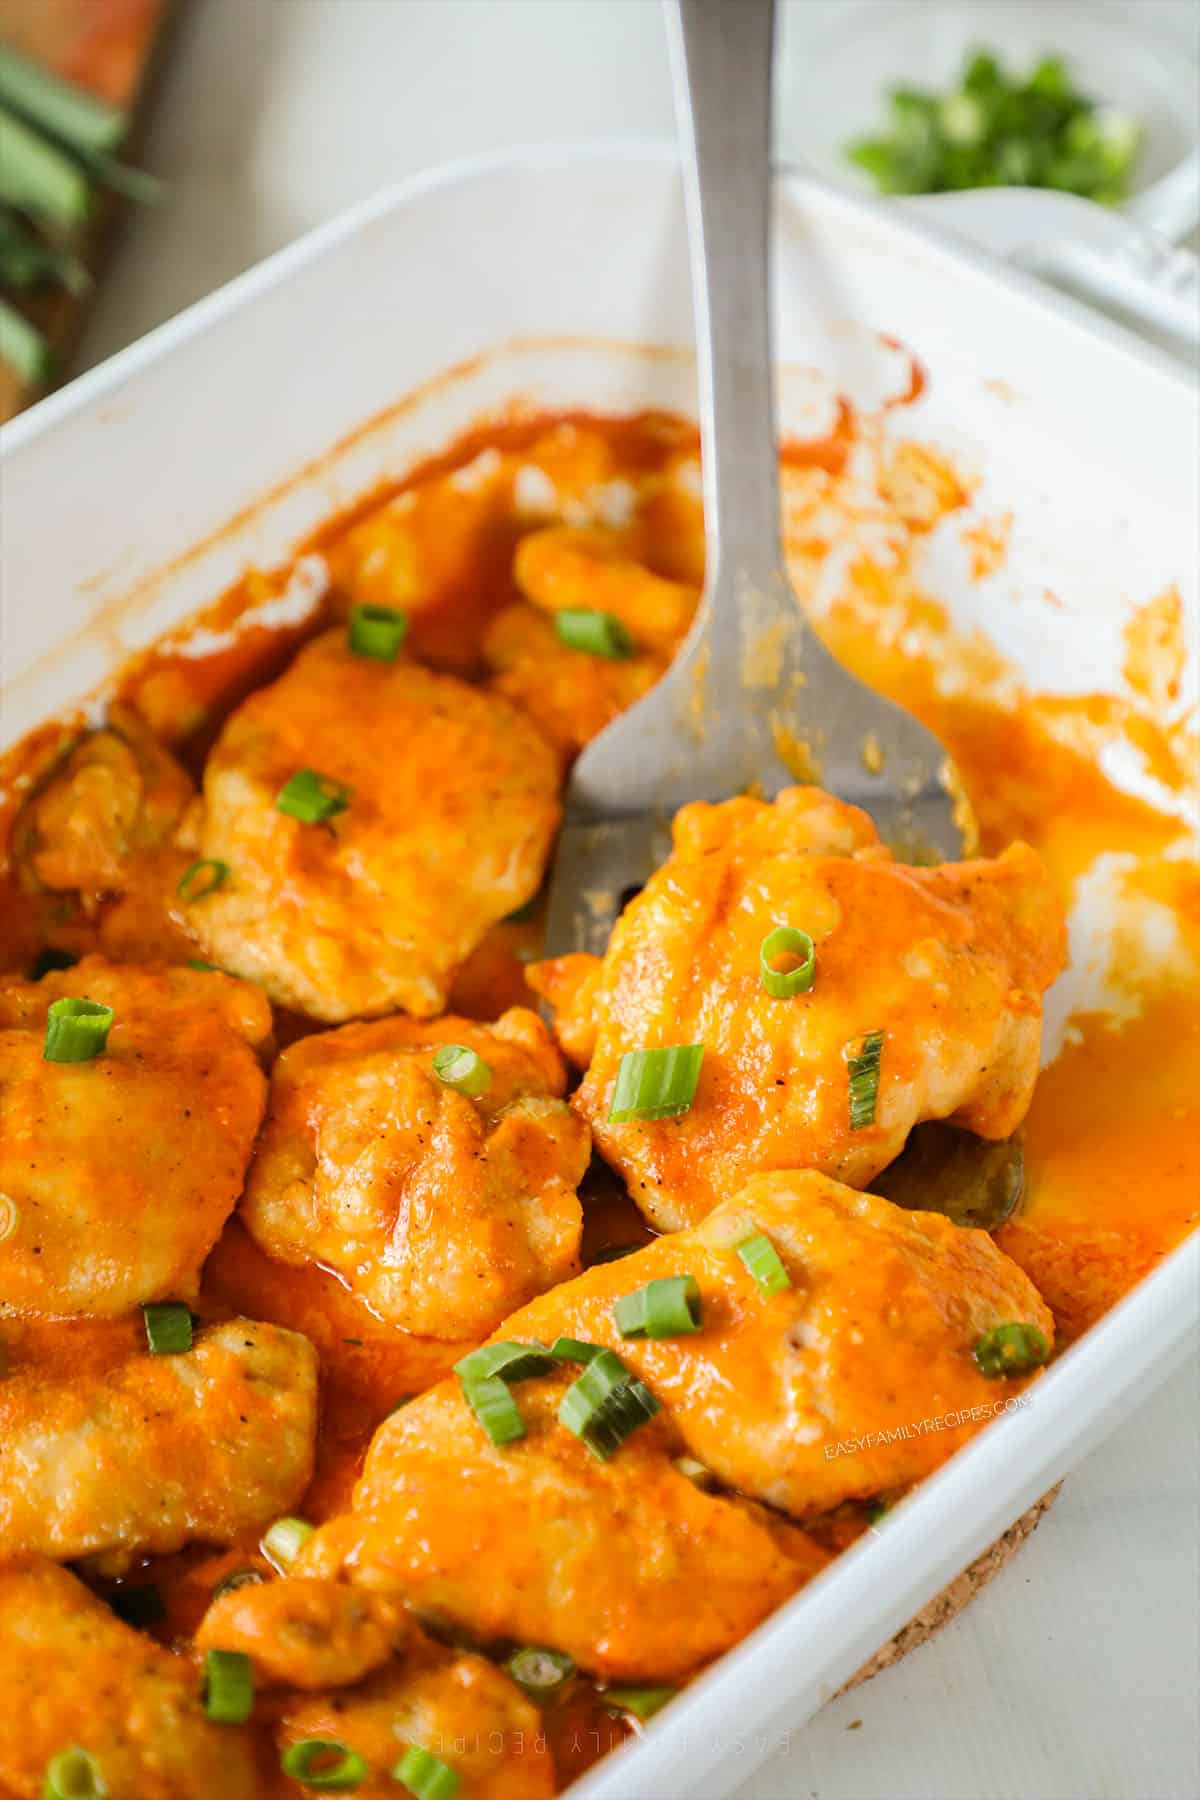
(753, 701)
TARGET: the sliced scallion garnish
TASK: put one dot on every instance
(23, 347)
(863, 1065)
(786, 940)
(605, 1404)
(74, 1775)
(76, 1030)
(763, 1261)
(74, 116)
(597, 633)
(228, 1687)
(168, 1327)
(512, 1362)
(493, 1405)
(325, 1764)
(38, 178)
(283, 1541)
(668, 1307)
(27, 261)
(540, 1673)
(312, 797)
(642, 1702)
(377, 632)
(1012, 1349)
(565, 1349)
(425, 1775)
(202, 878)
(656, 1084)
(462, 1069)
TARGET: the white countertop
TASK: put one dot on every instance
(1076, 1675)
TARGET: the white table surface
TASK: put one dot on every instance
(1076, 1676)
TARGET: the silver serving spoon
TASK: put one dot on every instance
(751, 679)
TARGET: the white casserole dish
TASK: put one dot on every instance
(541, 274)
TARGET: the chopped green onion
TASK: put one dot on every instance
(203, 878)
(23, 347)
(38, 178)
(312, 797)
(656, 1084)
(133, 184)
(76, 1030)
(228, 1687)
(168, 1327)
(864, 1079)
(763, 1261)
(598, 633)
(459, 1068)
(206, 968)
(325, 1764)
(377, 632)
(74, 1775)
(493, 1405)
(785, 940)
(605, 1404)
(876, 1510)
(513, 1362)
(668, 1307)
(284, 1540)
(239, 1578)
(78, 118)
(642, 1702)
(426, 1776)
(693, 1470)
(139, 1607)
(540, 1673)
(565, 1349)
(27, 261)
(48, 960)
(1012, 1349)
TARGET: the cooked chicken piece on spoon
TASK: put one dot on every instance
(933, 975)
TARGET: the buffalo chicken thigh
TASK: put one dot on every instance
(143, 1457)
(872, 1330)
(118, 1173)
(443, 1210)
(947, 964)
(73, 1674)
(374, 818)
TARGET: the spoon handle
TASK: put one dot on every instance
(721, 53)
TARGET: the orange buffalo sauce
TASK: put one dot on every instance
(1112, 1143)
(1113, 1139)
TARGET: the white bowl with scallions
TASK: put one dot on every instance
(878, 94)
